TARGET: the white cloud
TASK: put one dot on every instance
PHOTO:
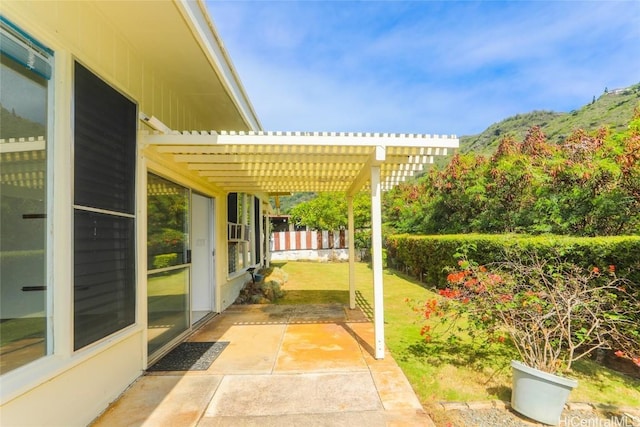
(425, 66)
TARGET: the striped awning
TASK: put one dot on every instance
(287, 162)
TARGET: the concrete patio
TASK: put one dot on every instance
(293, 365)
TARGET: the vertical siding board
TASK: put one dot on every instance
(121, 54)
(298, 240)
(276, 241)
(291, 242)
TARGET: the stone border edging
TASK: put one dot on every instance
(501, 404)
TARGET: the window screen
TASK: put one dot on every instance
(104, 291)
(104, 195)
(105, 145)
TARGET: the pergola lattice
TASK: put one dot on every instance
(271, 163)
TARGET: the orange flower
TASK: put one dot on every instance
(596, 270)
(471, 283)
(494, 278)
(505, 298)
(619, 353)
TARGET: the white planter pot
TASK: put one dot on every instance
(539, 395)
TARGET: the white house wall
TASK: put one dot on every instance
(75, 396)
(71, 388)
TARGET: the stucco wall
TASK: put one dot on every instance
(75, 396)
(230, 290)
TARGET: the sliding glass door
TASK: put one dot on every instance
(168, 261)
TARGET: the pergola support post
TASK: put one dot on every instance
(267, 240)
(376, 249)
(352, 253)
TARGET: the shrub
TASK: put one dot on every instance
(428, 258)
(554, 311)
(164, 260)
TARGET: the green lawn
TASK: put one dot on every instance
(440, 371)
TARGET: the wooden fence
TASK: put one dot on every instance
(308, 240)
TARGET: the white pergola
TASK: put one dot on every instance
(275, 163)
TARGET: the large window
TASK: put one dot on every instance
(168, 250)
(25, 69)
(104, 195)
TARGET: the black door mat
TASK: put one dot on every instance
(190, 356)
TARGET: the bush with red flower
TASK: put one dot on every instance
(554, 312)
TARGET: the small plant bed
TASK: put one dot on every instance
(265, 288)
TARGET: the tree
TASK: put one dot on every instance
(328, 211)
(589, 185)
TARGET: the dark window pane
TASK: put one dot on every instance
(105, 145)
(257, 234)
(232, 207)
(104, 291)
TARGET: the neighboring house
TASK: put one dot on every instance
(120, 236)
(282, 223)
(618, 91)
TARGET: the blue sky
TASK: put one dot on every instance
(425, 66)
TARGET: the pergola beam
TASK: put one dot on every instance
(376, 158)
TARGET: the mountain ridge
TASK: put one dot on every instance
(613, 109)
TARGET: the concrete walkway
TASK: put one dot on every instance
(303, 365)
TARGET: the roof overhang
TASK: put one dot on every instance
(286, 162)
(180, 43)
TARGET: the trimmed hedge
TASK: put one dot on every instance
(164, 260)
(429, 257)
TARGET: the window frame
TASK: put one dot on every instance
(128, 212)
(240, 235)
(39, 66)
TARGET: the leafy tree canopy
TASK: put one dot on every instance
(587, 185)
(328, 211)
